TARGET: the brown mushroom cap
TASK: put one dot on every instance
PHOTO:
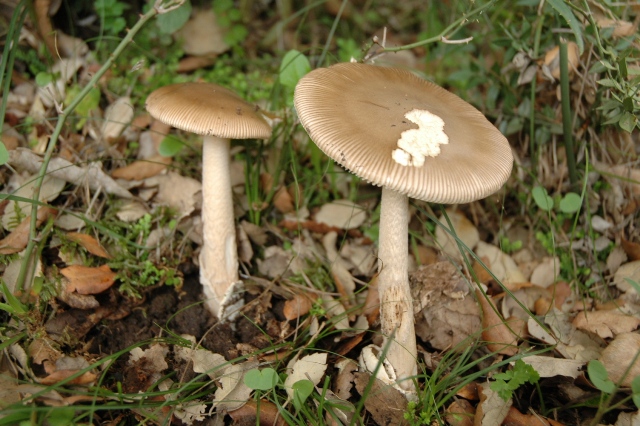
(207, 109)
(355, 113)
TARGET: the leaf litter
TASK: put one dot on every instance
(331, 237)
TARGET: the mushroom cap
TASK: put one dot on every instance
(207, 109)
(355, 113)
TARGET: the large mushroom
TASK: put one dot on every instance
(220, 115)
(414, 139)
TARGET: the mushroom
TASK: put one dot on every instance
(220, 115)
(414, 139)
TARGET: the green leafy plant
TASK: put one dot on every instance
(229, 17)
(111, 13)
(293, 67)
(568, 204)
(264, 380)
(599, 377)
(509, 381)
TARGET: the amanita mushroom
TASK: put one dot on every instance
(220, 115)
(415, 139)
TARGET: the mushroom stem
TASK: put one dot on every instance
(396, 313)
(219, 255)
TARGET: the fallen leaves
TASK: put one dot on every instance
(88, 280)
(18, 239)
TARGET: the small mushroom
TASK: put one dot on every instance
(415, 139)
(220, 115)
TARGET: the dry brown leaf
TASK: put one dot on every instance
(268, 414)
(516, 418)
(283, 201)
(89, 243)
(469, 391)
(552, 59)
(184, 200)
(466, 232)
(344, 379)
(371, 307)
(311, 367)
(342, 214)
(18, 239)
(631, 249)
(117, 117)
(606, 324)
(570, 342)
(66, 171)
(57, 376)
(142, 169)
(547, 366)
(620, 28)
(88, 280)
(617, 358)
(460, 413)
(501, 264)
(495, 331)
(297, 306)
(492, 409)
(385, 403)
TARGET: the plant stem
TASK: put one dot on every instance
(29, 252)
(447, 32)
(567, 122)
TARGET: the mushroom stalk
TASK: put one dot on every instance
(219, 255)
(396, 313)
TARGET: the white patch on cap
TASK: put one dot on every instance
(415, 145)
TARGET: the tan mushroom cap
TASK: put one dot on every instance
(207, 109)
(355, 113)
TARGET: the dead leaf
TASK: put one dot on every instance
(268, 412)
(342, 214)
(628, 271)
(620, 28)
(18, 239)
(492, 409)
(184, 200)
(145, 367)
(202, 360)
(547, 366)
(551, 63)
(617, 357)
(59, 168)
(60, 375)
(89, 243)
(606, 324)
(501, 264)
(460, 413)
(466, 232)
(88, 280)
(232, 393)
(345, 378)
(310, 367)
(570, 342)
(516, 418)
(142, 169)
(498, 335)
(284, 201)
(117, 117)
(631, 249)
(385, 403)
(297, 306)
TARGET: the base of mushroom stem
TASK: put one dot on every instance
(370, 361)
(227, 309)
